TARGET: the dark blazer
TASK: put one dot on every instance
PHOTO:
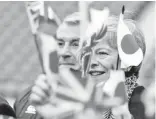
(136, 107)
(5, 108)
(23, 108)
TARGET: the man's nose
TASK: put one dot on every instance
(66, 55)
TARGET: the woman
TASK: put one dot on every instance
(105, 57)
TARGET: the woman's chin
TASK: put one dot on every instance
(100, 78)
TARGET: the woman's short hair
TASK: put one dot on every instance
(112, 34)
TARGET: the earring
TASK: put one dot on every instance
(128, 69)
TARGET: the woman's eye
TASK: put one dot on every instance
(75, 44)
(102, 53)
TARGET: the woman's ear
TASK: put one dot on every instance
(128, 69)
(118, 64)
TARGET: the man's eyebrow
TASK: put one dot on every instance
(75, 39)
(59, 39)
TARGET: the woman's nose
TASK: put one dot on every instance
(94, 63)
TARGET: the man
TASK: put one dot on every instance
(105, 57)
(68, 36)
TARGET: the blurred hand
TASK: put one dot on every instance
(89, 114)
(121, 112)
(40, 96)
(148, 99)
(40, 91)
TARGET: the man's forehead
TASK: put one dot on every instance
(66, 31)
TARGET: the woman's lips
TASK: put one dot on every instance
(96, 73)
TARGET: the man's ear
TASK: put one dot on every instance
(55, 36)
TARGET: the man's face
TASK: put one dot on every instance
(68, 37)
(103, 59)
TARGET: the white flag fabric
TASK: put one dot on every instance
(34, 11)
(98, 20)
(49, 54)
(129, 51)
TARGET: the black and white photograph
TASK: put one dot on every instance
(77, 59)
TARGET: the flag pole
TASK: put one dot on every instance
(39, 53)
(34, 32)
(84, 20)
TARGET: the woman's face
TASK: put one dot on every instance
(103, 59)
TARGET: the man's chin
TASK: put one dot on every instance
(75, 67)
(65, 66)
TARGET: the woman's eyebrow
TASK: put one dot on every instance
(105, 49)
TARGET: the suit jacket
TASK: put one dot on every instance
(23, 109)
(5, 108)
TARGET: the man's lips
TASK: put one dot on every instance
(66, 63)
(96, 73)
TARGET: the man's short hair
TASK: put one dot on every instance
(72, 19)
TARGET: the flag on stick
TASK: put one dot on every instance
(48, 50)
(129, 51)
(34, 11)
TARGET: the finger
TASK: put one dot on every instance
(50, 111)
(38, 91)
(112, 102)
(43, 84)
(35, 99)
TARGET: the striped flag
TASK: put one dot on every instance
(129, 51)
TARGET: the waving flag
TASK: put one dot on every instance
(34, 11)
(129, 51)
(48, 49)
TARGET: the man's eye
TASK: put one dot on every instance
(61, 44)
(75, 44)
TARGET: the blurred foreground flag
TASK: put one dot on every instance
(98, 22)
(49, 54)
(99, 18)
(129, 51)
